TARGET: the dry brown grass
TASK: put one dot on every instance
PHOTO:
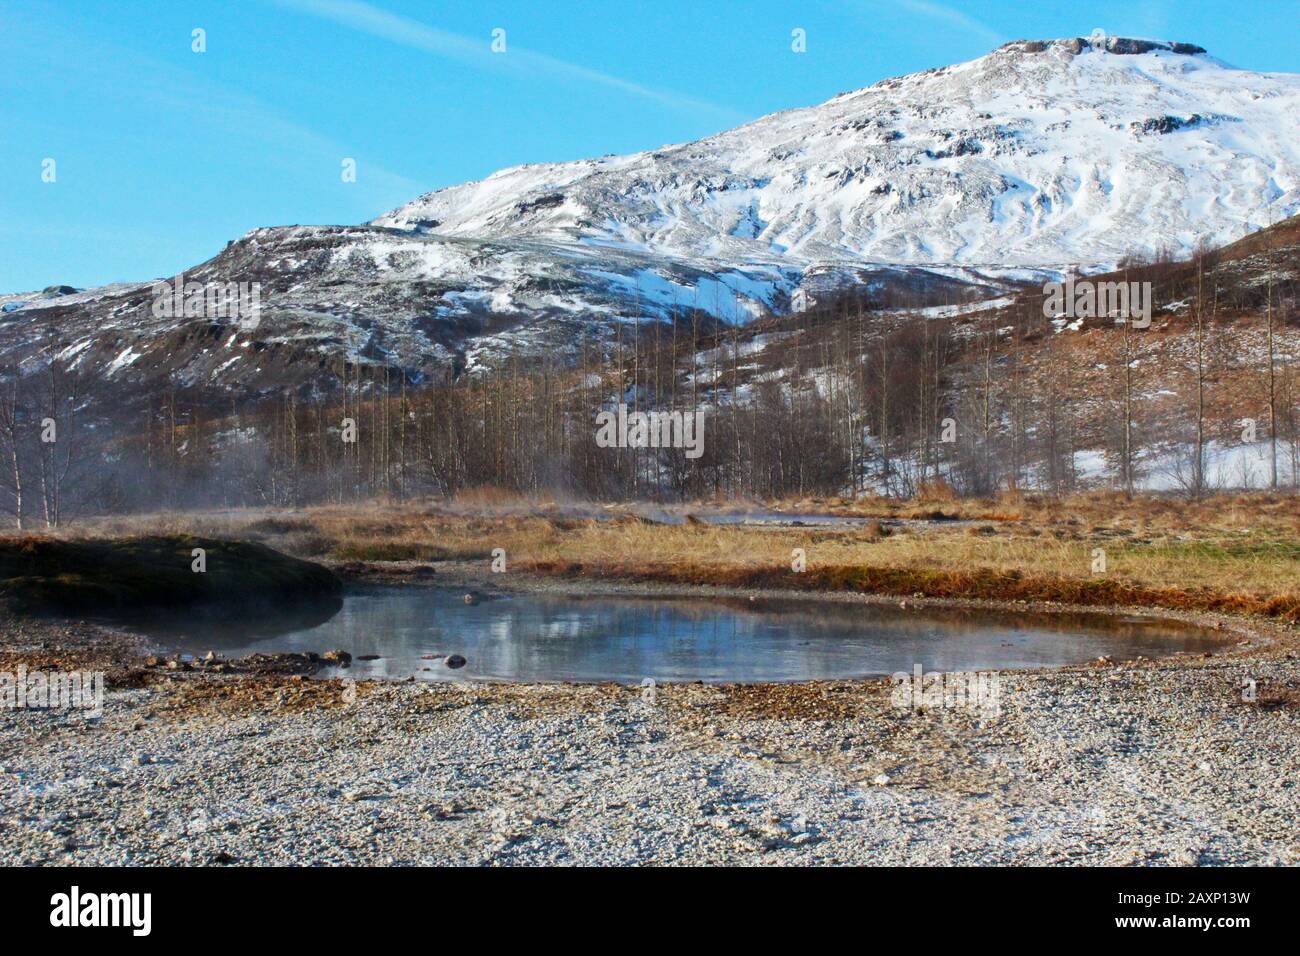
(490, 496)
(981, 584)
(1263, 511)
(1227, 552)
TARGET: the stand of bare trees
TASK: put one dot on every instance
(50, 467)
(838, 400)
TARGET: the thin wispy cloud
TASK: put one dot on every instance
(244, 118)
(951, 16)
(367, 18)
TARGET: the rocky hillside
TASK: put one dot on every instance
(946, 186)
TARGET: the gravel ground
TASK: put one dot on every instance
(1145, 763)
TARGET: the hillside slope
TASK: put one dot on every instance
(938, 188)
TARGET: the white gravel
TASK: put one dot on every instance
(1152, 763)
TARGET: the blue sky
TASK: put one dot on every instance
(162, 154)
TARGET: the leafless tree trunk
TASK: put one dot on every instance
(57, 457)
(1272, 390)
(12, 443)
(1128, 403)
(1198, 464)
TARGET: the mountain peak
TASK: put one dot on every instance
(1041, 156)
(1042, 152)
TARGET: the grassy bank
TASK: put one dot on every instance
(983, 584)
(1238, 552)
(46, 575)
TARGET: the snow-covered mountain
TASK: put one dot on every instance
(1038, 156)
(1040, 153)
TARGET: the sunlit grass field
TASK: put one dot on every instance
(1219, 553)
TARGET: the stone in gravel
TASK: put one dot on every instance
(338, 657)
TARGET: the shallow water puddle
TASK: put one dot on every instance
(531, 637)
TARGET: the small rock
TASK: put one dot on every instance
(455, 660)
(444, 811)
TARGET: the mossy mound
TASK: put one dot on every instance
(115, 576)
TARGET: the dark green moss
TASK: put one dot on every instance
(41, 575)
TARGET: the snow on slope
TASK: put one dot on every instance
(927, 189)
(1040, 153)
